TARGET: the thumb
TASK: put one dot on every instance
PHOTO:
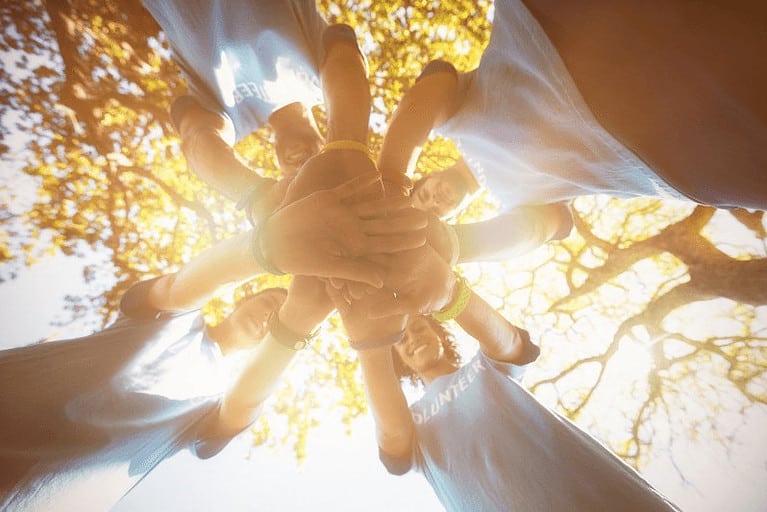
(335, 295)
(351, 187)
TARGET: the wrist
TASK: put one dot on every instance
(377, 342)
(250, 197)
(286, 336)
(459, 299)
(260, 249)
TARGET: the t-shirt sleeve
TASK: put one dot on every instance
(512, 370)
(134, 303)
(530, 353)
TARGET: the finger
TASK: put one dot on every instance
(393, 243)
(399, 180)
(342, 306)
(359, 290)
(347, 294)
(382, 207)
(353, 270)
(352, 187)
(392, 225)
(342, 285)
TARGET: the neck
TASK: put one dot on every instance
(222, 335)
(440, 368)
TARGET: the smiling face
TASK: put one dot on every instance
(296, 137)
(421, 349)
(295, 147)
(437, 194)
(248, 321)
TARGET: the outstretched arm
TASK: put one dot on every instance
(242, 402)
(498, 338)
(513, 234)
(374, 338)
(289, 324)
(345, 85)
(394, 423)
(431, 101)
(228, 262)
(207, 139)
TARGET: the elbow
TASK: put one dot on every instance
(437, 66)
(561, 222)
(397, 444)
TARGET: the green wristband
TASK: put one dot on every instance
(455, 308)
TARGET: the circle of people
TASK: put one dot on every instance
(569, 99)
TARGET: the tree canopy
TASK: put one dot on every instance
(84, 96)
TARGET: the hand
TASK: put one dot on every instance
(418, 281)
(325, 234)
(397, 184)
(307, 305)
(358, 324)
(352, 290)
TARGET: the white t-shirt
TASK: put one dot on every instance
(527, 133)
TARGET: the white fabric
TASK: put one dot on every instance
(527, 133)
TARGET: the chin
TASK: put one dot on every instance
(426, 363)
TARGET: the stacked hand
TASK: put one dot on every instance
(327, 233)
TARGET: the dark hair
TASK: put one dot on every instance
(403, 371)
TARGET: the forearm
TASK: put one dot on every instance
(497, 337)
(513, 234)
(306, 306)
(423, 106)
(262, 372)
(297, 318)
(394, 424)
(345, 86)
(216, 163)
(228, 262)
(207, 139)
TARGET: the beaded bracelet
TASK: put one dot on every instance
(348, 144)
(286, 336)
(455, 308)
(258, 254)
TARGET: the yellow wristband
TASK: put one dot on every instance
(348, 144)
(453, 310)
